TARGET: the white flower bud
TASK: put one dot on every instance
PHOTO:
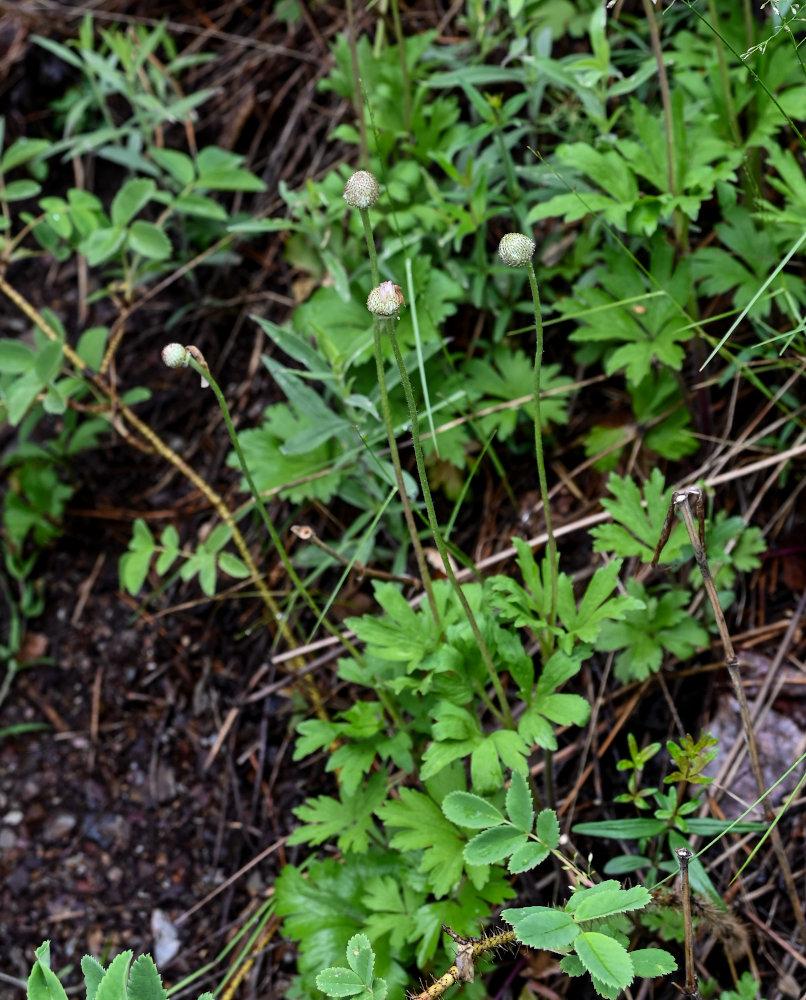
(516, 250)
(361, 189)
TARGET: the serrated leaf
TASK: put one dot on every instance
(144, 980)
(548, 828)
(43, 983)
(113, 985)
(466, 809)
(609, 898)
(526, 857)
(339, 982)
(519, 806)
(423, 827)
(604, 958)
(93, 974)
(361, 958)
(542, 927)
(651, 962)
(349, 818)
(494, 845)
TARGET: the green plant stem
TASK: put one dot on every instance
(725, 80)
(408, 513)
(404, 68)
(386, 413)
(680, 224)
(358, 107)
(541, 464)
(273, 533)
(437, 533)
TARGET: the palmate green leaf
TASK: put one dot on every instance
(605, 959)
(507, 375)
(402, 635)
(423, 827)
(584, 623)
(663, 624)
(273, 470)
(325, 907)
(457, 734)
(549, 707)
(348, 818)
(638, 525)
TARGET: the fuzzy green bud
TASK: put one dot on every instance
(386, 299)
(361, 189)
(516, 250)
(175, 356)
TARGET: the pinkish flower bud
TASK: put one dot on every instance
(386, 299)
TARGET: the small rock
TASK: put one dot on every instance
(58, 827)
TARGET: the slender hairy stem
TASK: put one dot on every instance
(437, 533)
(386, 413)
(267, 521)
(419, 555)
(541, 464)
(681, 499)
(672, 180)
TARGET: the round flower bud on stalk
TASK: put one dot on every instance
(175, 356)
(361, 189)
(386, 299)
(516, 250)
